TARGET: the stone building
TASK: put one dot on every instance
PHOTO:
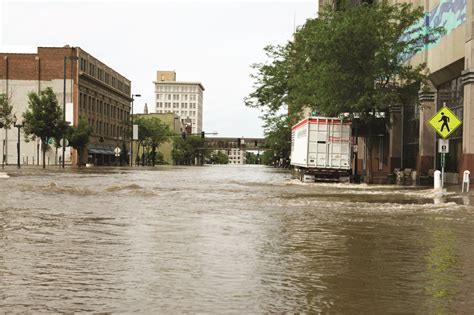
(94, 91)
(182, 98)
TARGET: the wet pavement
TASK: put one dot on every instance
(229, 239)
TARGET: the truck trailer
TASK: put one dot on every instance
(321, 149)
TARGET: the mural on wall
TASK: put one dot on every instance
(449, 14)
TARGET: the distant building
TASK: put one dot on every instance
(236, 156)
(179, 97)
(97, 93)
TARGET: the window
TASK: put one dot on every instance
(175, 97)
(192, 105)
(192, 97)
(83, 64)
(159, 96)
(184, 97)
(184, 113)
(162, 77)
(184, 105)
(168, 97)
(167, 105)
(159, 104)
(175, 105)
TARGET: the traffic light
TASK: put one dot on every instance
(238, 142)
(256, 143)
(183, 135)
(203, 134)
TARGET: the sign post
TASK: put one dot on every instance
(445, 122)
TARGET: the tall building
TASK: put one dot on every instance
(180, 97)
(94, 92)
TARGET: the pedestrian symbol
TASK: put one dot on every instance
(445, 122)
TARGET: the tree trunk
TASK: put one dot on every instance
(79, 157)
(369, 143)
(43, 149)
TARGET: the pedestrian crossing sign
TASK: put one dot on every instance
(445, 122)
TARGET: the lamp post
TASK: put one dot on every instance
(72, 58)
(18, 123)
(131, 129)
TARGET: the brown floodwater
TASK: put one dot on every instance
(229, 239)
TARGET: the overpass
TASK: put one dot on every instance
(225, 143)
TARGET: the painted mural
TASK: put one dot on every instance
(449, 14)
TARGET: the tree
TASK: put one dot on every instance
(44, 119)
(185, 151)
(218, 157)
(6, 119)
(348, 61)
(79, 137)
(151, 133)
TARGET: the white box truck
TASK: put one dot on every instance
(321, 148)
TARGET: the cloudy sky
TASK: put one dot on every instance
(213, 42)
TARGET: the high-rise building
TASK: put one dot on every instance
(94, 92)
(180, 97)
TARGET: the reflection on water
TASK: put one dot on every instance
(229, 239)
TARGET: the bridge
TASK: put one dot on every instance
(248, 144)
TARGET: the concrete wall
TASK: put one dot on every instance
(18, 92)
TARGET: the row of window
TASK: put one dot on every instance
(97, 106)
(175, 105)
(182, 113)
(104, 76)
(176, 97)
(106, 129)
(177, 88)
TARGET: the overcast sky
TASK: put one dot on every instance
(213, 42)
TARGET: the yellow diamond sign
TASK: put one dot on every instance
(445, 122)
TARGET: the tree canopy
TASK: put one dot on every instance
(151, 133)
(351, 61)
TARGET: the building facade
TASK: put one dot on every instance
(94, 92)
(182, 98)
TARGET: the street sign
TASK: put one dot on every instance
(445, 122)
(117, 151)
(443, 145)
(135, 132)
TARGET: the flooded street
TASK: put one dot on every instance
(224, 239)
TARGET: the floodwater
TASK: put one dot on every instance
(229, 239)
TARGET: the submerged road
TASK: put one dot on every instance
(229, 239)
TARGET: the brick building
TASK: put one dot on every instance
(94, 91)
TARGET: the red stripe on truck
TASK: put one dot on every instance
(322, 121)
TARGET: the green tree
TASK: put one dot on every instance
(186, 151)
(218, 157)
(79, 137)
(347, 61)
(43, 119)
(6, 119)
(151, 133)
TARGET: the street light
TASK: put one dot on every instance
(131, 138)
(72, 58)
(18, 123)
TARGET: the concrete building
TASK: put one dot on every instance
(182, 98)
(94, 91)
(236, 156)
(176, 125)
